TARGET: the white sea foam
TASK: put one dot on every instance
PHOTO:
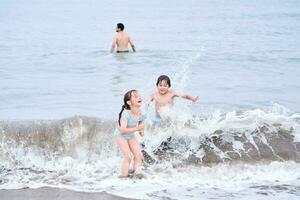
(86, 166)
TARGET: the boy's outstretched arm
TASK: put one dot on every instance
(186, 96)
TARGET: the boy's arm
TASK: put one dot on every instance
(131, 44)
(114, 44)
(186, 96)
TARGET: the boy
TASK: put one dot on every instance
(164, 96)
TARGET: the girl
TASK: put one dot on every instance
(131, 120)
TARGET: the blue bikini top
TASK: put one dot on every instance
(131, 122)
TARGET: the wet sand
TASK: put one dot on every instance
(47, 193)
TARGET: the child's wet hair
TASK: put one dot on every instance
(163, 78)
(127, 97)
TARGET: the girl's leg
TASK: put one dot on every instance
(137, 153)
(124, 147)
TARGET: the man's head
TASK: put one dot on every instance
(120, 27)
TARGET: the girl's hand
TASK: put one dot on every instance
(142, 132)
(141, 126)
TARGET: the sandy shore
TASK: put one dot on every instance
(47, 193)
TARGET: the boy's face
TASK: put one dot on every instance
(163, 87)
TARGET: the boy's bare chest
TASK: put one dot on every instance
(163, 99)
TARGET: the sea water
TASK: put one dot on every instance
(61, 92)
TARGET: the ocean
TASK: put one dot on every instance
(61, 92)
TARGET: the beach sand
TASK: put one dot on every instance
(47, 193)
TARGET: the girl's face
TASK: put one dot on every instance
(163, 87)
(135, 100)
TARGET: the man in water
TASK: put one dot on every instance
(121, 40)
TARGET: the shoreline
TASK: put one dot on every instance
(48, 193)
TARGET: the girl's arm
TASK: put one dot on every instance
(127, 130)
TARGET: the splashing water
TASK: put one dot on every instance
(205, 154)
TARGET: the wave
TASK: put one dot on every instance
(249, 136)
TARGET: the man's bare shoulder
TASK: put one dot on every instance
(116, 36)
(122, 35)
(125, 33)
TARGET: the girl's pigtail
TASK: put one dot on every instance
(120, 114)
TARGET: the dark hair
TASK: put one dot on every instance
(163, 78)
(127, 97)
(120, 26)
